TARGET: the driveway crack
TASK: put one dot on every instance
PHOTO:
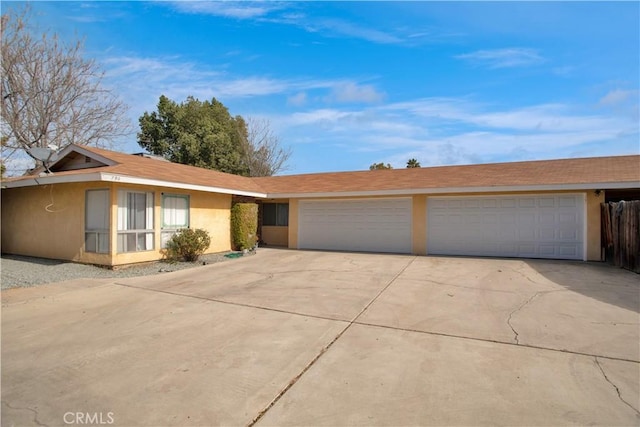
(515, 338)
(35, 413)
(614, 386)
(523, 305)
(325, 349)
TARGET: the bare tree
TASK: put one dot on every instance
(262, 151)
(51, 95)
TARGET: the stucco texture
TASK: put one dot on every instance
(48, 221)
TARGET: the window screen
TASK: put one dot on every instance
(275, 214)
(97, 207)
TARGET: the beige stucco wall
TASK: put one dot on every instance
(209, 211)
(419, 222)
(293, 223)
(594, 249)
(275, 235)
(48, 222)
(419, 219)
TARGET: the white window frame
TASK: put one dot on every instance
(169, 229)
(131, 239)
(97, 236)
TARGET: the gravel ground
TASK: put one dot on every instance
(20, 271)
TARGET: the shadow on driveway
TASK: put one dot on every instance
(600, 281)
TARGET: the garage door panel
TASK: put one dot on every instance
(547, 234)
(567, 202)
(526, 202)
(508, 203)
(375, 225)
(544, 226)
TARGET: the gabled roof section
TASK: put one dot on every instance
(75, 157)
(112, 166)
(564, 174)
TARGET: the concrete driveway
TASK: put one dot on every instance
(314, 338)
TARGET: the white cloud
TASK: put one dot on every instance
(324, 115)
(265, 11)
(288, 13)
(503, 58)
(345, 28)
(617, 97)
(439, 130)
(144, 79)
(178, 79)
(297, 100)
(564, 71)
(538, 118)
(456, 130)
(236, 9)
(349, 92)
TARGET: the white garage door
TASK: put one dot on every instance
(371, 225)
(508, 226)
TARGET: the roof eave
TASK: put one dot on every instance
(127, 179)
(123, 179)
(466, 190)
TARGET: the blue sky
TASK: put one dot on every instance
(347, 84)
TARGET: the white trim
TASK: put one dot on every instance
(348, 199)
(123, 179)
(462, 190)
(503, 196)
(53, 179)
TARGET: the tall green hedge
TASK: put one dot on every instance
(244, 225)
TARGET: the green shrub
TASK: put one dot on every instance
(244, 225)
(187, 244)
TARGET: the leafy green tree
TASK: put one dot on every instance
(413, 163)
(195, 133)
(378, 166)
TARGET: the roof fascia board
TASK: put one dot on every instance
(444, 190)
(52, 179)
(122, 179)
(126, 179)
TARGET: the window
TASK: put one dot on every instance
(275, 214)
(135, 221)
(175, 215)
(96, 221)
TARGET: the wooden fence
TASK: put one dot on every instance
(621, 234)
